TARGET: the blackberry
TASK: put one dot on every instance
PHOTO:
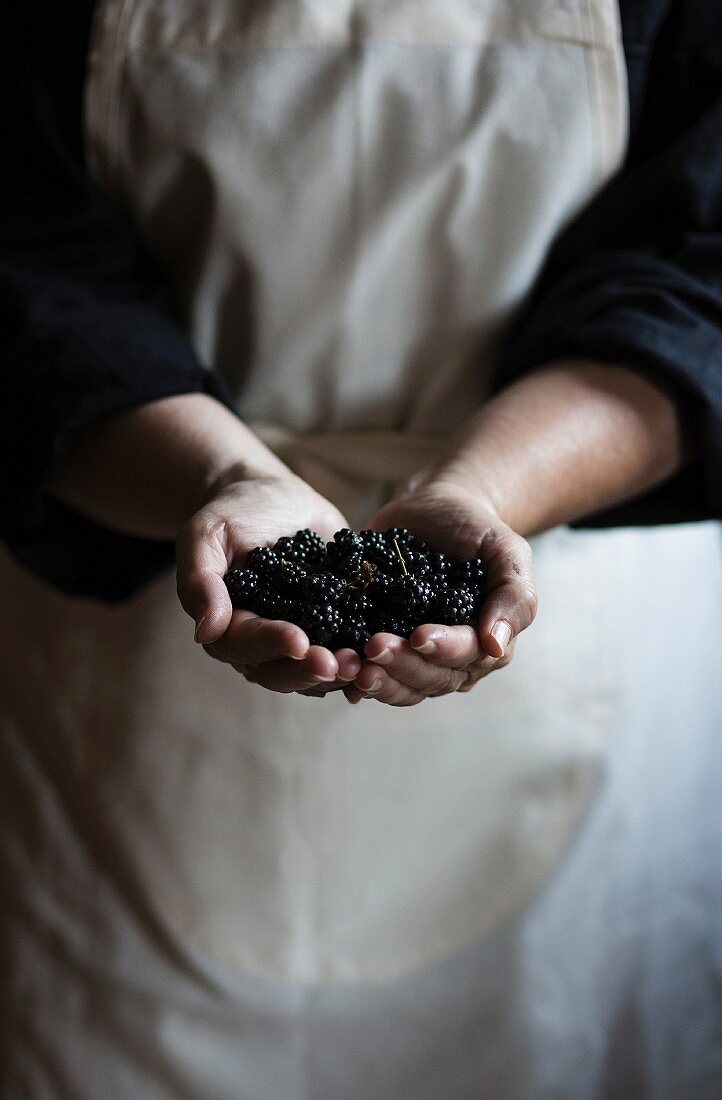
(417, 562)
(322, 623)
(265, 561)
(306, 549)
(384, 590)
(354, 634)
(383, 557)
(358, 584)
(352, 602)
(284, 544)
(243, 586)
(345, 554)
(322, 586)
(264, 604)
(454, 606)
(282, 608)
(414, 595)
(472, 570)
(290, 580)
(440, 565)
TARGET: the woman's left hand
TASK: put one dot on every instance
(454, 517)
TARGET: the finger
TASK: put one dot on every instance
(487, 665)
(451, 646)
(349, 663)
(201, 566)
(353, 695)
(324, 689)
(317, 671)
(252, 640)
(402, 664)
(511, 603)
(376, 682)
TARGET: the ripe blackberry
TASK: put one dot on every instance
(306, 549)
(384, 590)
(283, 608)
(264, 604)
(399, 625)
(322, 623)
(358, 584)
(439, 564)
(290, 580)
(454, 606)
(284, 544)
(402, 535)
(414, 595)
(265, 561)
(322, 587)
(353, 601)
(417, 562)
(345, 553)
(465, 571)
(371, 538)
(353, 634)
(383, 556)
(242, 585)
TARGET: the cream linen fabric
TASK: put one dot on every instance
(250, 894)
(350, 199)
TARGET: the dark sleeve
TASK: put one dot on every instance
(85, 323)
(637, 278)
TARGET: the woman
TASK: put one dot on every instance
(218, 890)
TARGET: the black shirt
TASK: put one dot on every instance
(87, 325)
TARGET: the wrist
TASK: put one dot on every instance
(220, 478)
(241, 457)
(460, 477)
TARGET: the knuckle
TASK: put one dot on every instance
(531, 602)
(409, 701)
(443, 682)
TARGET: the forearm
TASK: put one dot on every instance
(145, 470)
(571, 439)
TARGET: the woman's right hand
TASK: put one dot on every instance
(244, 514)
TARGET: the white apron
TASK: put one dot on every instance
(223, 892)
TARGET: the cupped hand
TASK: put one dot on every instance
(244, 514)
(436, 660)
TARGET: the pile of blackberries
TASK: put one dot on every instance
(342, 592)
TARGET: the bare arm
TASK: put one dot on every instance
(146, 470)
(568, 440)
(563, 442)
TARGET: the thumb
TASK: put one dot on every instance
(201, 566)
(511, 602)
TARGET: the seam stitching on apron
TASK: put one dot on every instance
(238, 47)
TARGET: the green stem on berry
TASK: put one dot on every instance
(403, 563)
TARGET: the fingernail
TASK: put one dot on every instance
(317, 678)
(383, 658)
(427, 648)
(501, 633)
(199, 624)
(373, 687)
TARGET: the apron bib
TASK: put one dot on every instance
(350, 199)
